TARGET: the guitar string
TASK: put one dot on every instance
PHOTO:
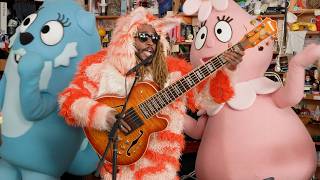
(237, 46)
(203, 71)
(179, 88)
(181, 83)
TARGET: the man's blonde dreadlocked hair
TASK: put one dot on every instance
(159, 69)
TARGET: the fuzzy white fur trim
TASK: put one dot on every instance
(173, 76)
(90, 88)
(80, 109)
(168, 173)
(206, 103)
(113, 82)
(93, 72)
(104, 118)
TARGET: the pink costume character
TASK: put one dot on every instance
(255, 134)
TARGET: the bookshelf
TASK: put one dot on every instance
(312, 97)
(273, 16)
(304, 11)
(107, 17)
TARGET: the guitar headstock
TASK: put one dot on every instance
(265, 29)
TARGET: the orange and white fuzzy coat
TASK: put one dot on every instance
(103, 73)
(161, 160)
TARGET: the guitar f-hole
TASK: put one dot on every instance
(134, 142)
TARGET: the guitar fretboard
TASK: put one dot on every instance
(164, 97)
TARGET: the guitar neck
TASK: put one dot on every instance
(164, 97)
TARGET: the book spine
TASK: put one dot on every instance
(124, 7)
(3, 17)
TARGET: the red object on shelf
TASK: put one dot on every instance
(318, 22)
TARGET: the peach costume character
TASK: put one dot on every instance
(255, 134)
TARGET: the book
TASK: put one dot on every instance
(3, 17)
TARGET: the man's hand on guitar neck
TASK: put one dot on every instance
(233, 58)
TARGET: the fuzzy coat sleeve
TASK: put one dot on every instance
(76, 102)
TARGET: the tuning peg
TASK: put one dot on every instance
(253, 22)
(261, 37)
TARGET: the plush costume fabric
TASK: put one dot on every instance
(161, 160)
(255, 134)
(37, 143)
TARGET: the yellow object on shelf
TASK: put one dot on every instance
(298, 26)
(101, 31)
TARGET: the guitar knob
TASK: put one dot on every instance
(119, 152)
(127, 142)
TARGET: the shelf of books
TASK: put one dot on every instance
(305, 11)
(312, 97)
(107, 17)
(273, 16)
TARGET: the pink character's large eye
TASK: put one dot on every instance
(201, 37)
(223, 31)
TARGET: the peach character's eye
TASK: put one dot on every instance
(201, 37)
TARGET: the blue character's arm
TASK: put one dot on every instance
(3, 83)
(35, 104)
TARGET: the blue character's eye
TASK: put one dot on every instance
(223, 30)
(52, 33)
(27, 22)
(201, 37)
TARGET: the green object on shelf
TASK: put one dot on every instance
(316, 138)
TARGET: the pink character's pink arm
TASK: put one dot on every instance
(194, 128)
(292, 91)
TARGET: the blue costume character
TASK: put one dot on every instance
(45, 51)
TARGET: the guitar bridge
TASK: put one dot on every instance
(133, 120)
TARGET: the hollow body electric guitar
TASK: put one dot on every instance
(146, 101)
